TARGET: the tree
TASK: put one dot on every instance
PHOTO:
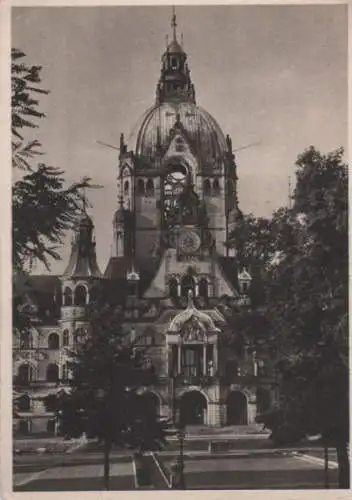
(307, 308)
(43, 208)
(109, 376)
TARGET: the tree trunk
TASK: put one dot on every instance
(107, 449)
(326, 466)
(344, 465)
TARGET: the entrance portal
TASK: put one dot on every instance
(236, 407)
(193, 407)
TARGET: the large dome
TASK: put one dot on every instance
(205, 135)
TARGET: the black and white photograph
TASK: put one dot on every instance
(179, 248)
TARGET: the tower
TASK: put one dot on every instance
(120, 236)
(177, 144)
(78, 280)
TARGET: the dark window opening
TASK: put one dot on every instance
(52, 373)
(50, 427)
(80, 296)
(173, 288)
(140, 187)
(150, 188)
(23, 426)
(24, 403)
(203, 288)
(67, 296)
(53, 341)
(231, 370)
(65, 338)
(206, 187)
(25, 374)
(216, 187)
(126, 187)
(187, 284)
(192, 361)
(174, 62)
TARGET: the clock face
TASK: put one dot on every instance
(189, 242)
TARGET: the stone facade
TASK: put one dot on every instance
(177, 192)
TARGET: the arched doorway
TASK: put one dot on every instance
(236, 409)
(193, 407)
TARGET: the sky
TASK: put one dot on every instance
(273, 75)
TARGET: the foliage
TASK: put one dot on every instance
(43, 208)
(307, 305)
(108, 376)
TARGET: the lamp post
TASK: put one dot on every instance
(179, 464)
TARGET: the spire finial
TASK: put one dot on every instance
(84, 200)
(173, 23)
(167, 40)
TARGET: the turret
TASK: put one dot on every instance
(78, 279)
(119, 230)
(175, 81)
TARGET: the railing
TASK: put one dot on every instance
(246, 378)
(202, 380)
(75, 312)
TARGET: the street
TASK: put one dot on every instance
(240, 469)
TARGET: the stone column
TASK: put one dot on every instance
(179, 360)
(204, 359)
(215, 356)
(251, 408)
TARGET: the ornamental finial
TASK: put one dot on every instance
(173, 23)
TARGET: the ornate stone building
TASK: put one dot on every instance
(177, 192)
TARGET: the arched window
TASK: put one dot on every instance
(52, 373)
(126, 187)
(80, 296)
(140, 186)
(187, 284)
(150, 188)
(66, 338)
(67, 296)
(25, 374)
(53, 341)
(216, 187)
(203, 288)
(206, 187)
(173, 288)
(24, 403)
(173, 62)
(26, 341)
